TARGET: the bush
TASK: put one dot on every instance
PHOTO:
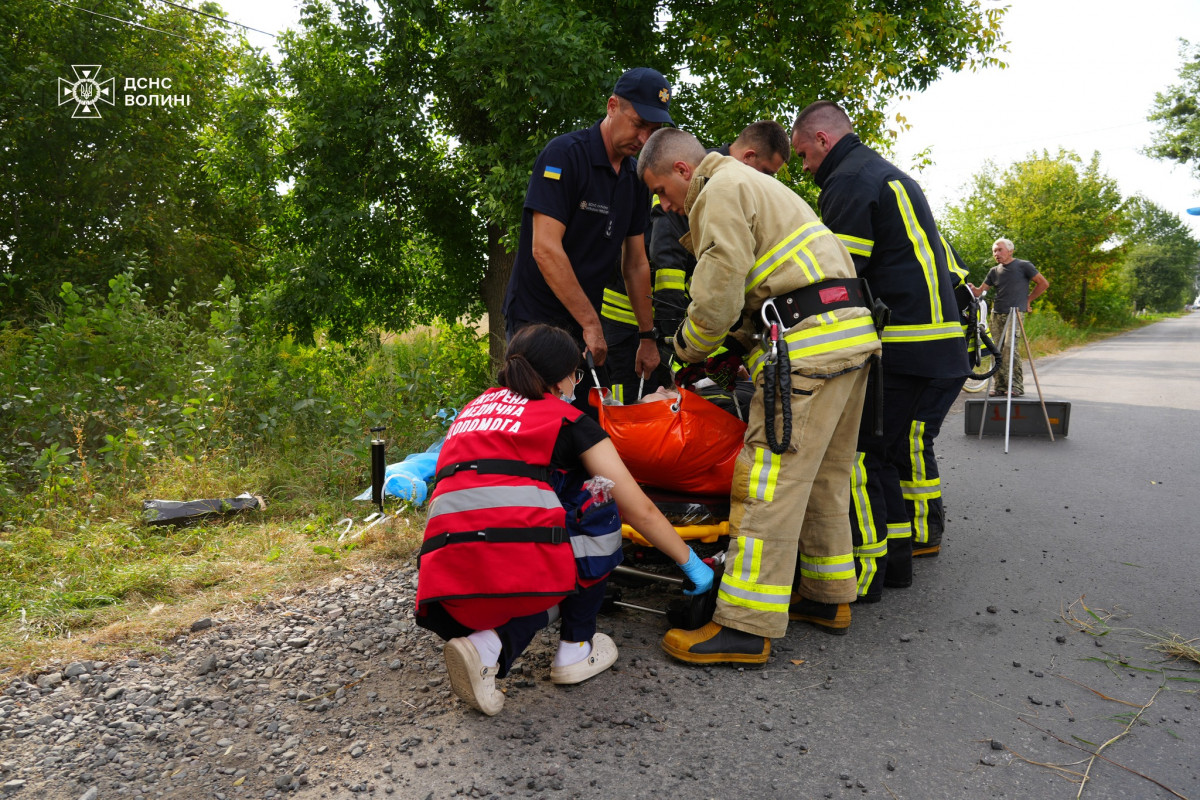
(104, 388)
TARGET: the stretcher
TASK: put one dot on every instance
(697, 518)
(682, 454)
(703, 522)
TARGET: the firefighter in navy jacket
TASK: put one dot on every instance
(497, 563)
(881, 216)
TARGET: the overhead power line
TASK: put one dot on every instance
(120, 20)
(213, 16)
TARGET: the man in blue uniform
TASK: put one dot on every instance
(585, 212)
(882, 217)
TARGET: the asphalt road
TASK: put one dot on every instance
(980, 681)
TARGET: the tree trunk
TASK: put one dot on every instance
(493, 286)
(1082, 301)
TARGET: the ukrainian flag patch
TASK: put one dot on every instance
(553, 173)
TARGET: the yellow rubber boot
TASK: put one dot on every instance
(716, 644)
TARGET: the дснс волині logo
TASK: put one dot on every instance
(86, 91)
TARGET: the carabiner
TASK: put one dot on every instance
(771, 334)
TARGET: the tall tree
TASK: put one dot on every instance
(484, 84)
(1163, 258)
(79, 196)
(1062, 215)
(1177, 110)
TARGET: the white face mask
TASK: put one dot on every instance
(570, 398)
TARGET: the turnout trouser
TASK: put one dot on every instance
(868, 510)
(920, 481)
(877, 498)
(787, 520)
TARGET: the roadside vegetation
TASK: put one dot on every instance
(107, 402)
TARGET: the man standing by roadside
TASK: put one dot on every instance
(583, 203)
(882, 217)
(1010, 277)
(765, 263)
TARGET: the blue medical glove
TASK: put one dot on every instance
(697, 572)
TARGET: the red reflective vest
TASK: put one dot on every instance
(496, 528)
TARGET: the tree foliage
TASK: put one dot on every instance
(1163, 257)
(377, 174)
(1177, 110)
(473, 89)
(375, 211)
(1063, 215)
(79, 197)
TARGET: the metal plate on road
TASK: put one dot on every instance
(1027, 417)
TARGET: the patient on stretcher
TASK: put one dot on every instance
(660, 394)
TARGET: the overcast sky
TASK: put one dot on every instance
(1082, 75)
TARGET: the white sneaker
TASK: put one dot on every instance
(470, 679)
(603, 656)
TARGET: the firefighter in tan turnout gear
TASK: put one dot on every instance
(775, 286)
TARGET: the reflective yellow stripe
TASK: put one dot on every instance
(921, 333)
(899, 530)
(916, 451)
(794, 246)
(827, 568)
(764, 474)
(958, 269)
(920, 522)
(856, 245)
(818, 340)
(666, 279)
(922, 248)
(922, 489)
(872, 550)
(616, 306)
(695, 340)
(747, 561)
(618, 392)
(740, 585)
(759, 596)
(861, 499)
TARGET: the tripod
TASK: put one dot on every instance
(1012, 324)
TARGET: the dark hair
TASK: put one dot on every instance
(823, 113)
(538, 357)
(767, 137)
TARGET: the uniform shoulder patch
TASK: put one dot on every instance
(553, 173)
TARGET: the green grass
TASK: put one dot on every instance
(183, 404)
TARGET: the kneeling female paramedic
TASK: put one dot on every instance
(499, 562)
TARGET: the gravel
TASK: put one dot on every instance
(263, 704)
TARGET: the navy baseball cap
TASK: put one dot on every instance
(649, 93)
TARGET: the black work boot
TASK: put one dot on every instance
(830, 617)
